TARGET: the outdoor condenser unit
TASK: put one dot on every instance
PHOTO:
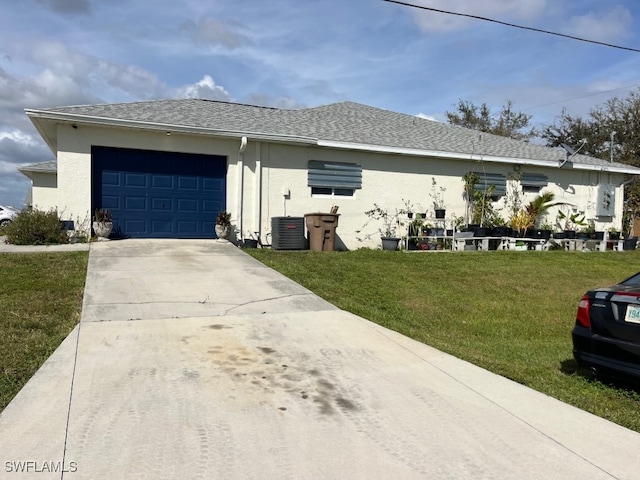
(287, 233)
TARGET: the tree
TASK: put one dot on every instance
(611, 130)
(507, 124)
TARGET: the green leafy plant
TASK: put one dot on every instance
(390, 220)
(414, 227)
(35, 227)
(482, 209)
(532, 214)
(437, 195)
(223, 219)
(102, 215)
(570, 222)
(408, 208)
(457, 222)
(590, 227)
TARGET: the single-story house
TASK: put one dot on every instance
(165, 168)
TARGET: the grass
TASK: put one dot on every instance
(41, 301)
(508, 312)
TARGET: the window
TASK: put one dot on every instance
(533, 182)
(334, 179)
(334, 192)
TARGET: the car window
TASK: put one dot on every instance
(632, 281)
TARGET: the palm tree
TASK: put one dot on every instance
(539, 206)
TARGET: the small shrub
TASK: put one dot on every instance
(35, 227)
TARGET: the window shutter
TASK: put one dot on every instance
(534, 180)
(335, 175)
(488, 179)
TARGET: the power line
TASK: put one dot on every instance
(406, 4)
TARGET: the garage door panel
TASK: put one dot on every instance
(188, 183)
(211, 207)
(133, 227)
(135, 203)
(159, 194)
(161, 227)
(135, 180)
(187, 205)
(162, 181)
(187, 227)
(111, 178)
(111, 202)
(213, 185)
(161, 204)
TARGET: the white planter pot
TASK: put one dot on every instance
(102, 229)
(222, 231)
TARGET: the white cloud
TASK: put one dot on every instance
(604, 27)
(69, 77)
(18, 147)
(205, 88)
(210, 31)
(130, 79)
(503, 10)
(427, 117)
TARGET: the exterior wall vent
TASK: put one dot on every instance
(287, 233)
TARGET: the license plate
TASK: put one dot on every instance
(633, 314)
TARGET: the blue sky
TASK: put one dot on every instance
(300, 53)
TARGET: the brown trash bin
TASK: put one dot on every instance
(321, 228)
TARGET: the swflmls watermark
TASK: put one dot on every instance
(33, 466)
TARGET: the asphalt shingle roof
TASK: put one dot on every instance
(339, 122)
(50, 166)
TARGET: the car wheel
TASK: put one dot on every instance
(4, 222)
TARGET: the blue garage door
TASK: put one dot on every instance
(159, 194)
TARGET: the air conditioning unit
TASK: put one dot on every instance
(287, 233)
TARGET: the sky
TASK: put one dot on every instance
(304, 53)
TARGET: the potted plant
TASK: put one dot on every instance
(571, 223)
(102, 223)
(223, 225)
(390, 223)
(614, 234)
(437, 196)
(414, 230)
(630, 243)
(408, 209)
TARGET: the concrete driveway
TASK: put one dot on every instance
(192, 360)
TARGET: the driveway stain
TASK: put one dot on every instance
(270, 372)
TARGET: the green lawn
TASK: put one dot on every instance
(509, 312)
(41, 301)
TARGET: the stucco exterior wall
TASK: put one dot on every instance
(390, 180)
(273, 182)
(44, 191)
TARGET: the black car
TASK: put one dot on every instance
(606, 337)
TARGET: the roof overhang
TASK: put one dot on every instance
(38, 169)
(46, 122)
(474, 157)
